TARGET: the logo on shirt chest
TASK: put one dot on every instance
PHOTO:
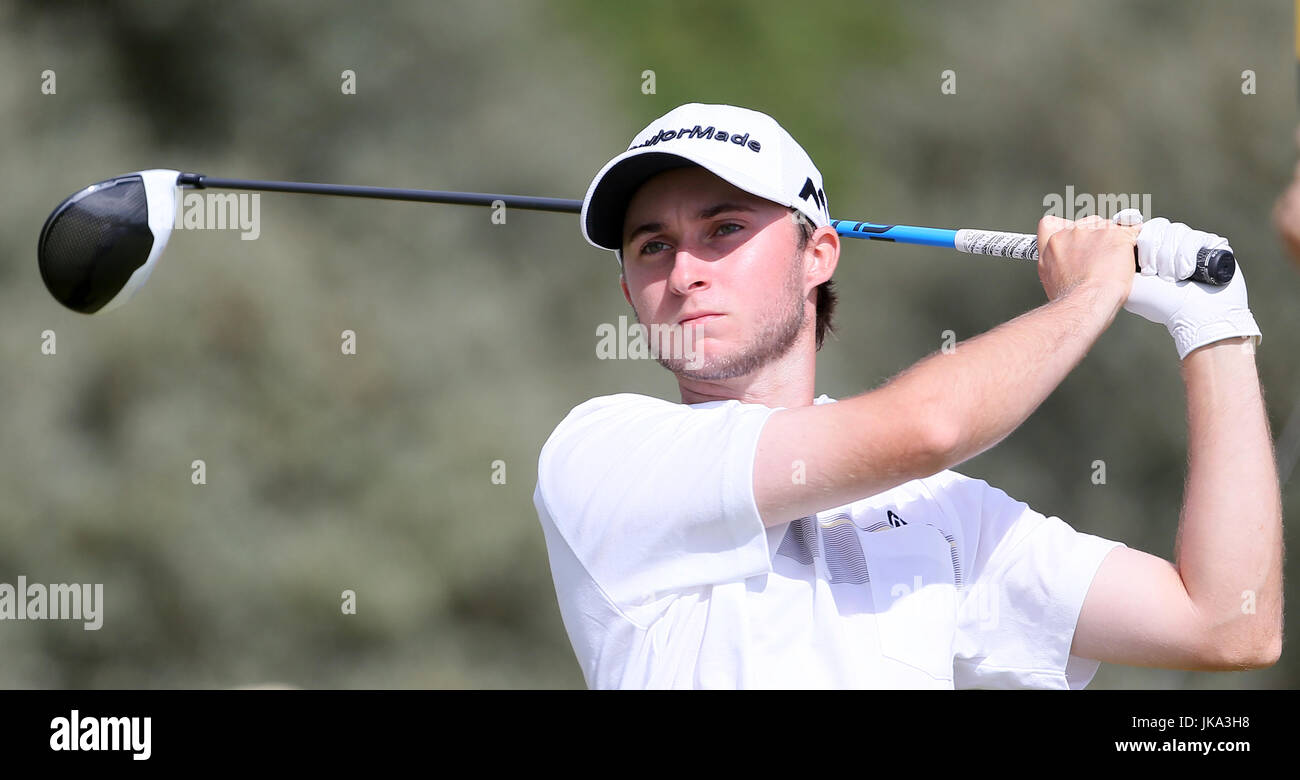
(891, 519)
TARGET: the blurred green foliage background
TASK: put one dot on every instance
(373, 472)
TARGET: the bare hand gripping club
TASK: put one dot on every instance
(100, 245)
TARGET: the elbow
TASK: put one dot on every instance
(941, 446)
(1254, 653)
(1265, 653)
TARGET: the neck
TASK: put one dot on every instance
(787, 381)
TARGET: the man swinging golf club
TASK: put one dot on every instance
(758, 535)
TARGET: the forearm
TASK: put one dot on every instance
(941, 411)
(1229, 546)
(982, 390)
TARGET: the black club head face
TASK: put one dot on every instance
(100, 245)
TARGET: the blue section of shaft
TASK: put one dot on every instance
(902, 234)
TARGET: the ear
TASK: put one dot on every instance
(622, 282)
(822, 256)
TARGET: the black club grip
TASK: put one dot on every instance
(1213, 266)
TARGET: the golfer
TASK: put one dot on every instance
(758, 535)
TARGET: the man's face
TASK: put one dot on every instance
(694, 244)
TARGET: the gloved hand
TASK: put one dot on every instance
(1195, 314)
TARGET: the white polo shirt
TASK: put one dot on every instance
(666, 576)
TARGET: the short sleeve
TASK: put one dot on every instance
(1027, 578)
(654, 497)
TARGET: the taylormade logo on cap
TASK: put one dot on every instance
(696, 132)
(746, 148)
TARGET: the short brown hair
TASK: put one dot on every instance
(826, 290)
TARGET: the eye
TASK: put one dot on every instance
(652, 247)
(722, 229)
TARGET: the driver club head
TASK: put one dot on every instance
(100, 245)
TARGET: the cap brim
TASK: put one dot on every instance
(607, 204)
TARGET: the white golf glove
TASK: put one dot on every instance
(1196, 314)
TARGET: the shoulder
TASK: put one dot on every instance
(619, 403)
(964, 508)
(631, 428)
(985, 509)
(952, 488)
(950, 493)
(598, 413)
(624, 409)
(947, 481)
(633, 408)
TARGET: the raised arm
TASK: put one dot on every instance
(1219, 605)
(950, 406)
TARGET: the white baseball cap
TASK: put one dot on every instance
(746, 148)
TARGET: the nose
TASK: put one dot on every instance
(690, 273)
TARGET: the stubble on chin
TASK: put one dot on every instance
(777, 334)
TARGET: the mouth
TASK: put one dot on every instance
(698, 319)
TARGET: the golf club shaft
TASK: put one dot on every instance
(560, 205)
(903, 234)
(1022, 246)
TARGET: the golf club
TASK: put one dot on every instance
(98, 247)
